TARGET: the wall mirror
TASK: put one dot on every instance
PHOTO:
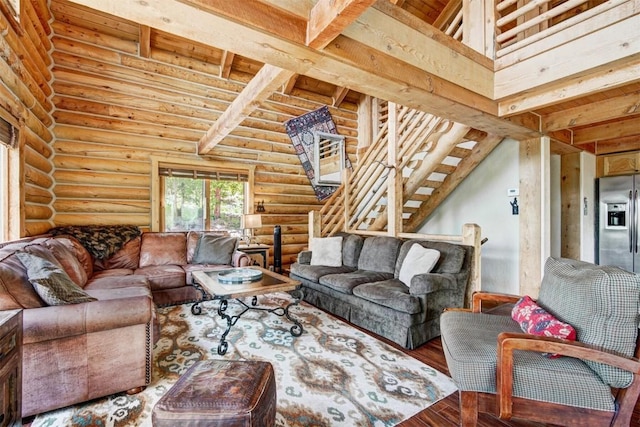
(328, 158)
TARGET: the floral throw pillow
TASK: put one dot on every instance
(535, 320)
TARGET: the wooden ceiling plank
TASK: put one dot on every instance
(225, 64)
(144, 45)
(609, 109)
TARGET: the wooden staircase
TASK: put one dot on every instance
(415, 161)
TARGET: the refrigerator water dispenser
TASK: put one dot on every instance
(616, 215)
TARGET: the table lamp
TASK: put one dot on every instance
(251, 221)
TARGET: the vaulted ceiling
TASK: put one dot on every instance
(391, 50)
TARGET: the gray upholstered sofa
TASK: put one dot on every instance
(366, 290)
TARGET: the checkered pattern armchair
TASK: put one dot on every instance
(595, 380)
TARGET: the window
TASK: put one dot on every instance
(8, 141)
(198, 198)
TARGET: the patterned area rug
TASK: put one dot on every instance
(332, 375)
(300, 130)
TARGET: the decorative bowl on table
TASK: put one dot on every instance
(239, 275)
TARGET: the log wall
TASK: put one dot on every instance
(115, 108)
(25, 92)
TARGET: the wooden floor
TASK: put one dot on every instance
(446, 413)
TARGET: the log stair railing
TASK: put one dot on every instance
(433, 154)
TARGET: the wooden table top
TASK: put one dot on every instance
(269, 283)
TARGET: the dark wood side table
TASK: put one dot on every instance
(11, 367)
(257, 249)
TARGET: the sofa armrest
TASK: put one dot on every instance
(427, 283)
(508, 342)
(304, 257)
(494, 298)
(241, 259)
(61, 321)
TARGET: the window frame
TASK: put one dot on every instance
(157, 192)
(11, 198)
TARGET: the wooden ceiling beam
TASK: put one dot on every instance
(602, 78)
(617, 145)
(609, 109)
(225, 64)
(608, 131)
(144, 44)
(339, 94)
(407, 84)
(264, 83)
(328, 18)
(287, 88)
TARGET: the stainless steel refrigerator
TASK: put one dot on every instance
(617, 216)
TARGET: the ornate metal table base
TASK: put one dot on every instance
(296, 330)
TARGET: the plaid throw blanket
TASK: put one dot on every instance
(101, 241)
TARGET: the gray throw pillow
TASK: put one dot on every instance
(51, 282)
(213, 249)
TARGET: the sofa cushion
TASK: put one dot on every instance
(214, 249)
(127, 257)
(163, 249)
(81, 253)
(379, 253)
(345, 282)
(469, 345)
(600, 302)
(351, 248)
(116, 282)
(193, 238)
(67, 259)
(419, 260)
(326, 251)
(51, 282)
(315, 272)
(163, 276)
(390, 293)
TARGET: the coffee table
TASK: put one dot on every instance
(215, 285)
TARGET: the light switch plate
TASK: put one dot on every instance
(513, 192)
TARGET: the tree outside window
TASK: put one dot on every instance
(202, 203)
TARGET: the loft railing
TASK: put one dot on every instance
(520, 24)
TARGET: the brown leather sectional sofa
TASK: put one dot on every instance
(77, 352)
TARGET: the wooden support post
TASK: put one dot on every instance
(472, 236)
(394, 178)
(315, 227)
(534, 213)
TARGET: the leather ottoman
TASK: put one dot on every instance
(220, 393)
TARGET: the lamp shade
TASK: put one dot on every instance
(252, 221)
